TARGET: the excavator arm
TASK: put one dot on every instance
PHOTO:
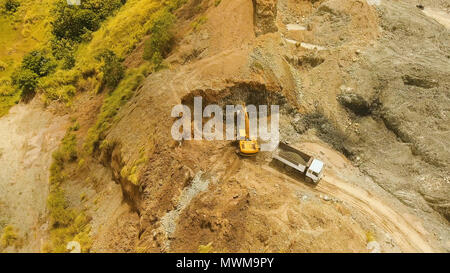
(247, 146)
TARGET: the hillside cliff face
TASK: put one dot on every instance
(362, 85)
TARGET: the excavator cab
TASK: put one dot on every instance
(247, 146)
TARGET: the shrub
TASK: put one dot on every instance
(39, 63)
(112, 68)
(71, 22)
(199, 22)
(69, 147)
(161, 39)
(11, 5)
(370, 236)
(60, 86)
(68, 61)
(76, 230)
(9, 237)
(26, 80)
(57, 206)
(157, 60)
(205, 248)
(64, 49)
(67, 152)
(34, 66)
(111, 106)
(102, 8)
(172, 5)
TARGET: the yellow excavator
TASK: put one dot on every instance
(247, 146)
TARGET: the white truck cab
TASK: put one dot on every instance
(315, 170)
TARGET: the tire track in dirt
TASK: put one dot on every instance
(406, 230)
(408, 233)
(402, 230)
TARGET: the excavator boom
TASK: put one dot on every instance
(247, 146)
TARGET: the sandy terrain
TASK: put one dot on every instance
(29, 135)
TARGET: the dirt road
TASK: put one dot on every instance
(408, 233)
(339, 181)
(405, 229)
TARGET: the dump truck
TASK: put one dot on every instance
(309, 166)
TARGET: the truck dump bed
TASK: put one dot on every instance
(292, 157)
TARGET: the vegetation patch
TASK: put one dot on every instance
(24, 28)
(11, 5)
(73, 21)
(79, 37)
(61, 86)
(117, 98)
(199, 22)
(206, 248)
(7, 102)
(112, 69)
(9, 237)
(67, 224)
(132, 173)
(35, 65)
(161, 37)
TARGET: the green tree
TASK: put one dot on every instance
(112, 69)
(64, 49)
(161, 39)
(26, 80)
(103, 8)
(72, 22)
(34, 66)
(39, 63)
(11, 5)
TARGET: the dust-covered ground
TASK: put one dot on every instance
(401, 138)
(29, 135)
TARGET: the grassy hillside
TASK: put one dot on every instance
(72, 37)
(23, 29)
(56, 51)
